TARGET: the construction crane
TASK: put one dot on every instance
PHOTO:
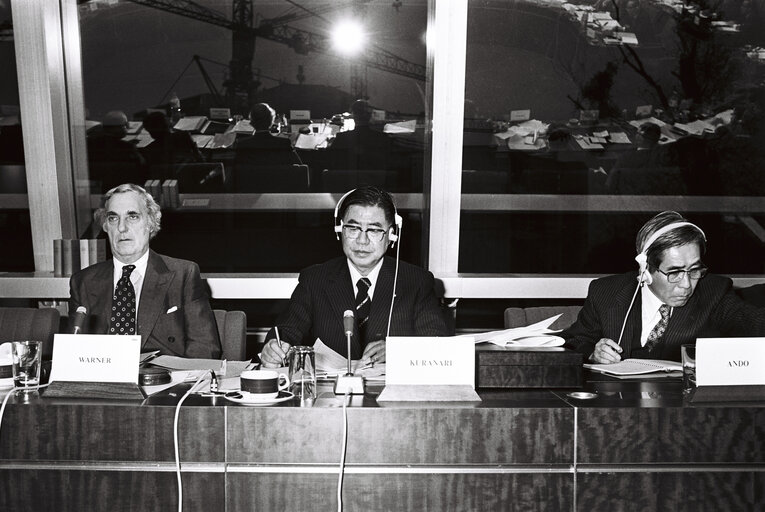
(302, 41)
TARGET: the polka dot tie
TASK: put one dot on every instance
(123, 304)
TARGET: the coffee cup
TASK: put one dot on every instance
(263, 383)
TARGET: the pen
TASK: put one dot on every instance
(279, 342)
(213, 382)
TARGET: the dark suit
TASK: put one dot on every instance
(188, 331)
(325, 291)
(713, 310)
(262, 148)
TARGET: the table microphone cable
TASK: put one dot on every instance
(175, 437)
(346, 398)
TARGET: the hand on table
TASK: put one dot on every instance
(606, 352)
(374, 353)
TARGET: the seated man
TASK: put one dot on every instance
(141, 292)
(169, 146)
(112, 160)
(264, 148)
(366, 223)
(673, 302)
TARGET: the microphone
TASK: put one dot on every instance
(79, 319)
(348, 325)
(349, 383)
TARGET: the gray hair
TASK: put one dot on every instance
(152, 208)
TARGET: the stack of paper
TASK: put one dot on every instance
(331, 364)
(535, 335)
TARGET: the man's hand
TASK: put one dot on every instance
(606, 352)
(273, 354)
(373, 353)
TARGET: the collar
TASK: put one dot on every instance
(140, 267)
(372, 276)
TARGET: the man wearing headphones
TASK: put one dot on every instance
(673, 302)
(363, 281)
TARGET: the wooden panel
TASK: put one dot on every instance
(383, 492)
(672, 434)
(691, 492)
(97, 432)
(402, 436)
(115, 491)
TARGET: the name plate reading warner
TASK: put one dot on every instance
(730, 361)
(95, 358)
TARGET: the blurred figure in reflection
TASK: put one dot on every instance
(112, 160)
(363, 147)
(647, 168)
(668, 302)
(169, 146)
(263, 147)
(138, 291)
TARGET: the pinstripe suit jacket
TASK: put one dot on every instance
(189, 330)
(325, 291)
(713, 310)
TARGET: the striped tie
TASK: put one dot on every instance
(363, 305)
(658, 330)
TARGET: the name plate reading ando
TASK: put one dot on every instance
(430, 360)
(95, 358)
(730, 361)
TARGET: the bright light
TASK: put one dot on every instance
(348, 37)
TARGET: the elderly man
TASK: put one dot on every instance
(362, 281)
(263, 148)
(141, 292)
(673, 302)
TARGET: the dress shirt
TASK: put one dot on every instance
(136, 277)
(650, 313)
(356, 275)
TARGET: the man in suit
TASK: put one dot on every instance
(673, 302)
(262, 147)
(141, 292)
(362, 281)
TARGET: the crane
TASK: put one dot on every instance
(301, 41)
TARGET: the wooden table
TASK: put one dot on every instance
(639, 445)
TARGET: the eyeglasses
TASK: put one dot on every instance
(675, 276)
(352, 232)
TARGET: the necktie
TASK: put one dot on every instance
(658, 330)
(123, 305)
(363, 305)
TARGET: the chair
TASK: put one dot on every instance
(232, 330)
(342, 180)
(193, 178)
(30, 324)
(520, 317)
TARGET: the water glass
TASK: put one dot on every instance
(303, 374)
(27, 359)
(688, 357)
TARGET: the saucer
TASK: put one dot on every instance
(245, 398)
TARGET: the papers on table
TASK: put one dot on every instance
(401, 127)
(330, 364)
(535, 335)
(232, 368)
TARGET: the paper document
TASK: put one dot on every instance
(331, 364)
(233, 368)
(534, 335)
(636, 367)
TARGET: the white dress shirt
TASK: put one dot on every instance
(136, 277)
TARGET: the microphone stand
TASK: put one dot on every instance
(349, 383)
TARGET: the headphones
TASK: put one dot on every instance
(644, 276)
(393, 234)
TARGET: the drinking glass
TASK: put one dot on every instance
(27, 358)
(688, 356)
(303, 374)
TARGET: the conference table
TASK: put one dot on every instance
(638, 445)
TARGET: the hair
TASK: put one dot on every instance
(152, 208)
(682, 235)
(370, 196)
(650, 131)
(262, 116)
(362, 112)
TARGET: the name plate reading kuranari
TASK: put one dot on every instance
(430, 361)
(730, 361)
(95, 358)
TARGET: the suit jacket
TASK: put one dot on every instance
(187, 331)
(262, 148)
(713, 310)
(325, 291)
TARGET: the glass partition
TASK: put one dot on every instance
(15, 228)
(173, 99)
(584, 119)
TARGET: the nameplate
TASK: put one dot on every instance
(520, 115)
(643, 111)
(589, 115)
(430, 361)
(300, 115)
(220, 113)
(730, 361)
(95, 358)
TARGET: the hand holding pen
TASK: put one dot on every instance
(274, 354)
